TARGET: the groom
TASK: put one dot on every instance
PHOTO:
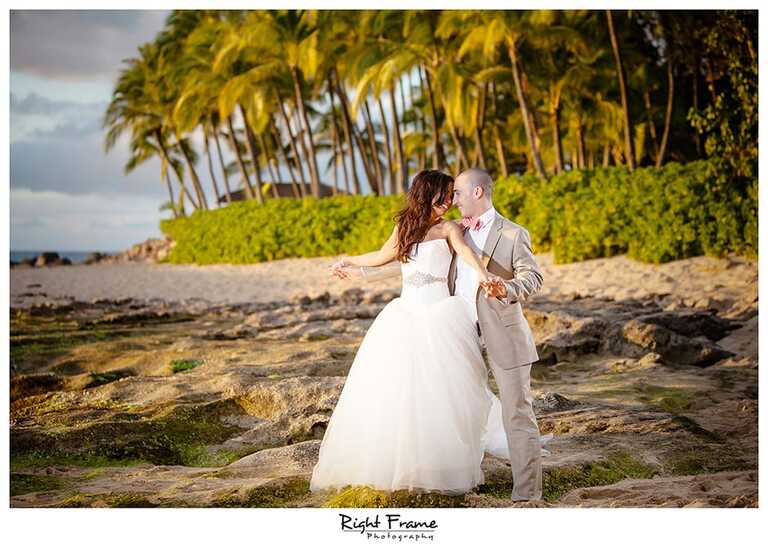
(505, 249)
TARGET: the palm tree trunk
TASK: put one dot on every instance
(253, 150)
(711, 80)
(355, 135)
(227, 190)
(347, 135)
(294, 151)
(422, 86)
(335, 160)
(500, 152)
(628, 143)
(496, 137)
(580, 144)
(651, 124)
(350, 148)
(210, 167)
(479, 125)
(374, 149)
(167, 158)
(410, 96)
(240, 163)
(169, 187)
(525, 112)
(402, 93)
(284, 158)
(438, 157)
(422, 119)
(256, 161)
(342, 160)
(312, 159)
(458, 144)
(607, 155)
(668, 114)
(462, 157)
(388, 148)
(303, 145)
(369, 172)
(182, 194)
(337, 132)
(617, 156)
(193, 173)
(536, 132)
(556, 140)
(696, 138)
(272, 174)
(305, 149)
(403, 171)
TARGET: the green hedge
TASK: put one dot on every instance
(246, 232)
(653, 215)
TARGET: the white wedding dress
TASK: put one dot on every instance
(415, 412)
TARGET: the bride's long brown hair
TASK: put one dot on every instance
(413, 221)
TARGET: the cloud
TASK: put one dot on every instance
(68, 162)
(76, 44)
(36, 117)
(47, 220)
(34, 104)
(68, 130)
(58, 145)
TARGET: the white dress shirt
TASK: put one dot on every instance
(467, 281)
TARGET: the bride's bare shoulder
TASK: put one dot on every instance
(449, 227)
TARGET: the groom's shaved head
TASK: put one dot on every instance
(478, 177)
(466, 196)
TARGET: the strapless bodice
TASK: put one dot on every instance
(425, 275)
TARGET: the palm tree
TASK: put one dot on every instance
(290, 37)
(136, 107)
(629, 149)
(488, 30)
(417, 44)
(171, 40)
(263, 50)
(375, 70)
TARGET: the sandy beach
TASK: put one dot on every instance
(213, 385)
(696, 282)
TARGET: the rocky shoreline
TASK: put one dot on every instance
(150, 251)
(652, 399)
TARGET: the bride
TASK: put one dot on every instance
(416, 412)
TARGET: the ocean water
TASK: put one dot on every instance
(76, 256)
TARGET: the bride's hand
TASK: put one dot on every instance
(495, 287)
(338, 270)
(485, 283)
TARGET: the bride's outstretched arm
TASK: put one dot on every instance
(385, 254)
(456, 238)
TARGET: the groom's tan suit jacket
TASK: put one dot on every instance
(507, 253)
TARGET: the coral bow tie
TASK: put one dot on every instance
(468, 223)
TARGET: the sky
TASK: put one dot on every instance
(66, 193)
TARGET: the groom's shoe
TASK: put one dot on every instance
(530, 503)
(525, 499)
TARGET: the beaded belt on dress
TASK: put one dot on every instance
(420, 279)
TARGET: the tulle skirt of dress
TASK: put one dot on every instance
(414, 408)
